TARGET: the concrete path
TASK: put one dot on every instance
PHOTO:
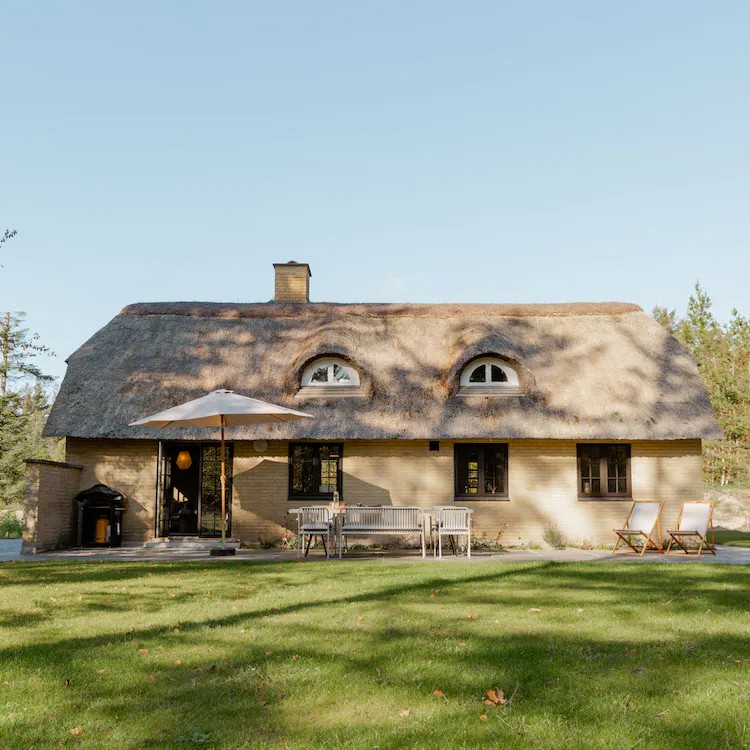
(10, 549)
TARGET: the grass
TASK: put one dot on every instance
(733, 538)
(332, 655)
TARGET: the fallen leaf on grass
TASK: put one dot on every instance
(77, 731)
(142, 650)
(68, 682)
(494, 698)
(360, 618)
(483, 717)
(404, 713)
(472, 616)
(178, 662)
(103, 670)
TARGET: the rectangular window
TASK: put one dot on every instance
(481, 471)
(314, 470)
(603, 470)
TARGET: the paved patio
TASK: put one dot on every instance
(10, 549)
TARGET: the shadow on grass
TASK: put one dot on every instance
(301, 670)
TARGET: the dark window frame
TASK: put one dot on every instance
(604, 493)
(462, 448)
(326, 496)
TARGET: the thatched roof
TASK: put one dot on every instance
(587, 371)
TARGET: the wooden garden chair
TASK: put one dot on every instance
(312, 521)
(642, 527)
(451, 521)
(694, 525)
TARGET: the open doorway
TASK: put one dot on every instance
(189, 496)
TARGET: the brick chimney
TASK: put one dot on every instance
(292, 282)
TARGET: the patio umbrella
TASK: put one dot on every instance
(221, 408)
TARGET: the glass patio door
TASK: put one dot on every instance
(189, 490)
(210, 494)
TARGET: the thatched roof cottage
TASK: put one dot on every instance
(528, 413)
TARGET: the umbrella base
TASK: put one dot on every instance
(225, 552)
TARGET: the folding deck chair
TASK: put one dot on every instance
(694, 524)
(642, 524)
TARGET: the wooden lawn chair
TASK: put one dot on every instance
(451, 521)
(641, 524)
(314, 521)
(694, 524)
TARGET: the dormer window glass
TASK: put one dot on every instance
(330, 372)
(489, 376)
(329, 376)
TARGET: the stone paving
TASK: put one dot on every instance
(10, 549)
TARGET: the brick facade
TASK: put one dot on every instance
(292, 282)
(127, 466)
(542, 483)
(50, 519)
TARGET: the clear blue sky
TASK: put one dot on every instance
(409, 151)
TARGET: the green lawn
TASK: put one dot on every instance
(333, 655)
(733, 538)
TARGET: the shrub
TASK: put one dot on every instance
(554, 536)
(10, 528)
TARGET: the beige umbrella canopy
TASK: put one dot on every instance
(222, 409)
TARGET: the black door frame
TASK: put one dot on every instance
(165, 455)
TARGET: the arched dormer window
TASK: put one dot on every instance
(329, 376)
(489, 376)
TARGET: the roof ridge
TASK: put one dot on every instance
(366, 309)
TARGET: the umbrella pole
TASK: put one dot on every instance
(223, 487)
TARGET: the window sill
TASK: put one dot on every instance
(490, 498)
(491, 391)
(330, 391)
(313, 498)
(605, 498)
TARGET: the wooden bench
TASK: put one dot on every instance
(381, 521)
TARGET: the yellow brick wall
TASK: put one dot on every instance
(128, 466)
(261, 483)
(542, 484)
(50, 513)
(292, 284)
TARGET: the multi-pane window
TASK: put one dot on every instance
(488, 373)
(604, 470)
(481, 470)
(489, 376)
(324, 373)
(314, 470)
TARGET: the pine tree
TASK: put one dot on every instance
(723, 357)
(22, 418)
(18, 348)
(24, 406)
